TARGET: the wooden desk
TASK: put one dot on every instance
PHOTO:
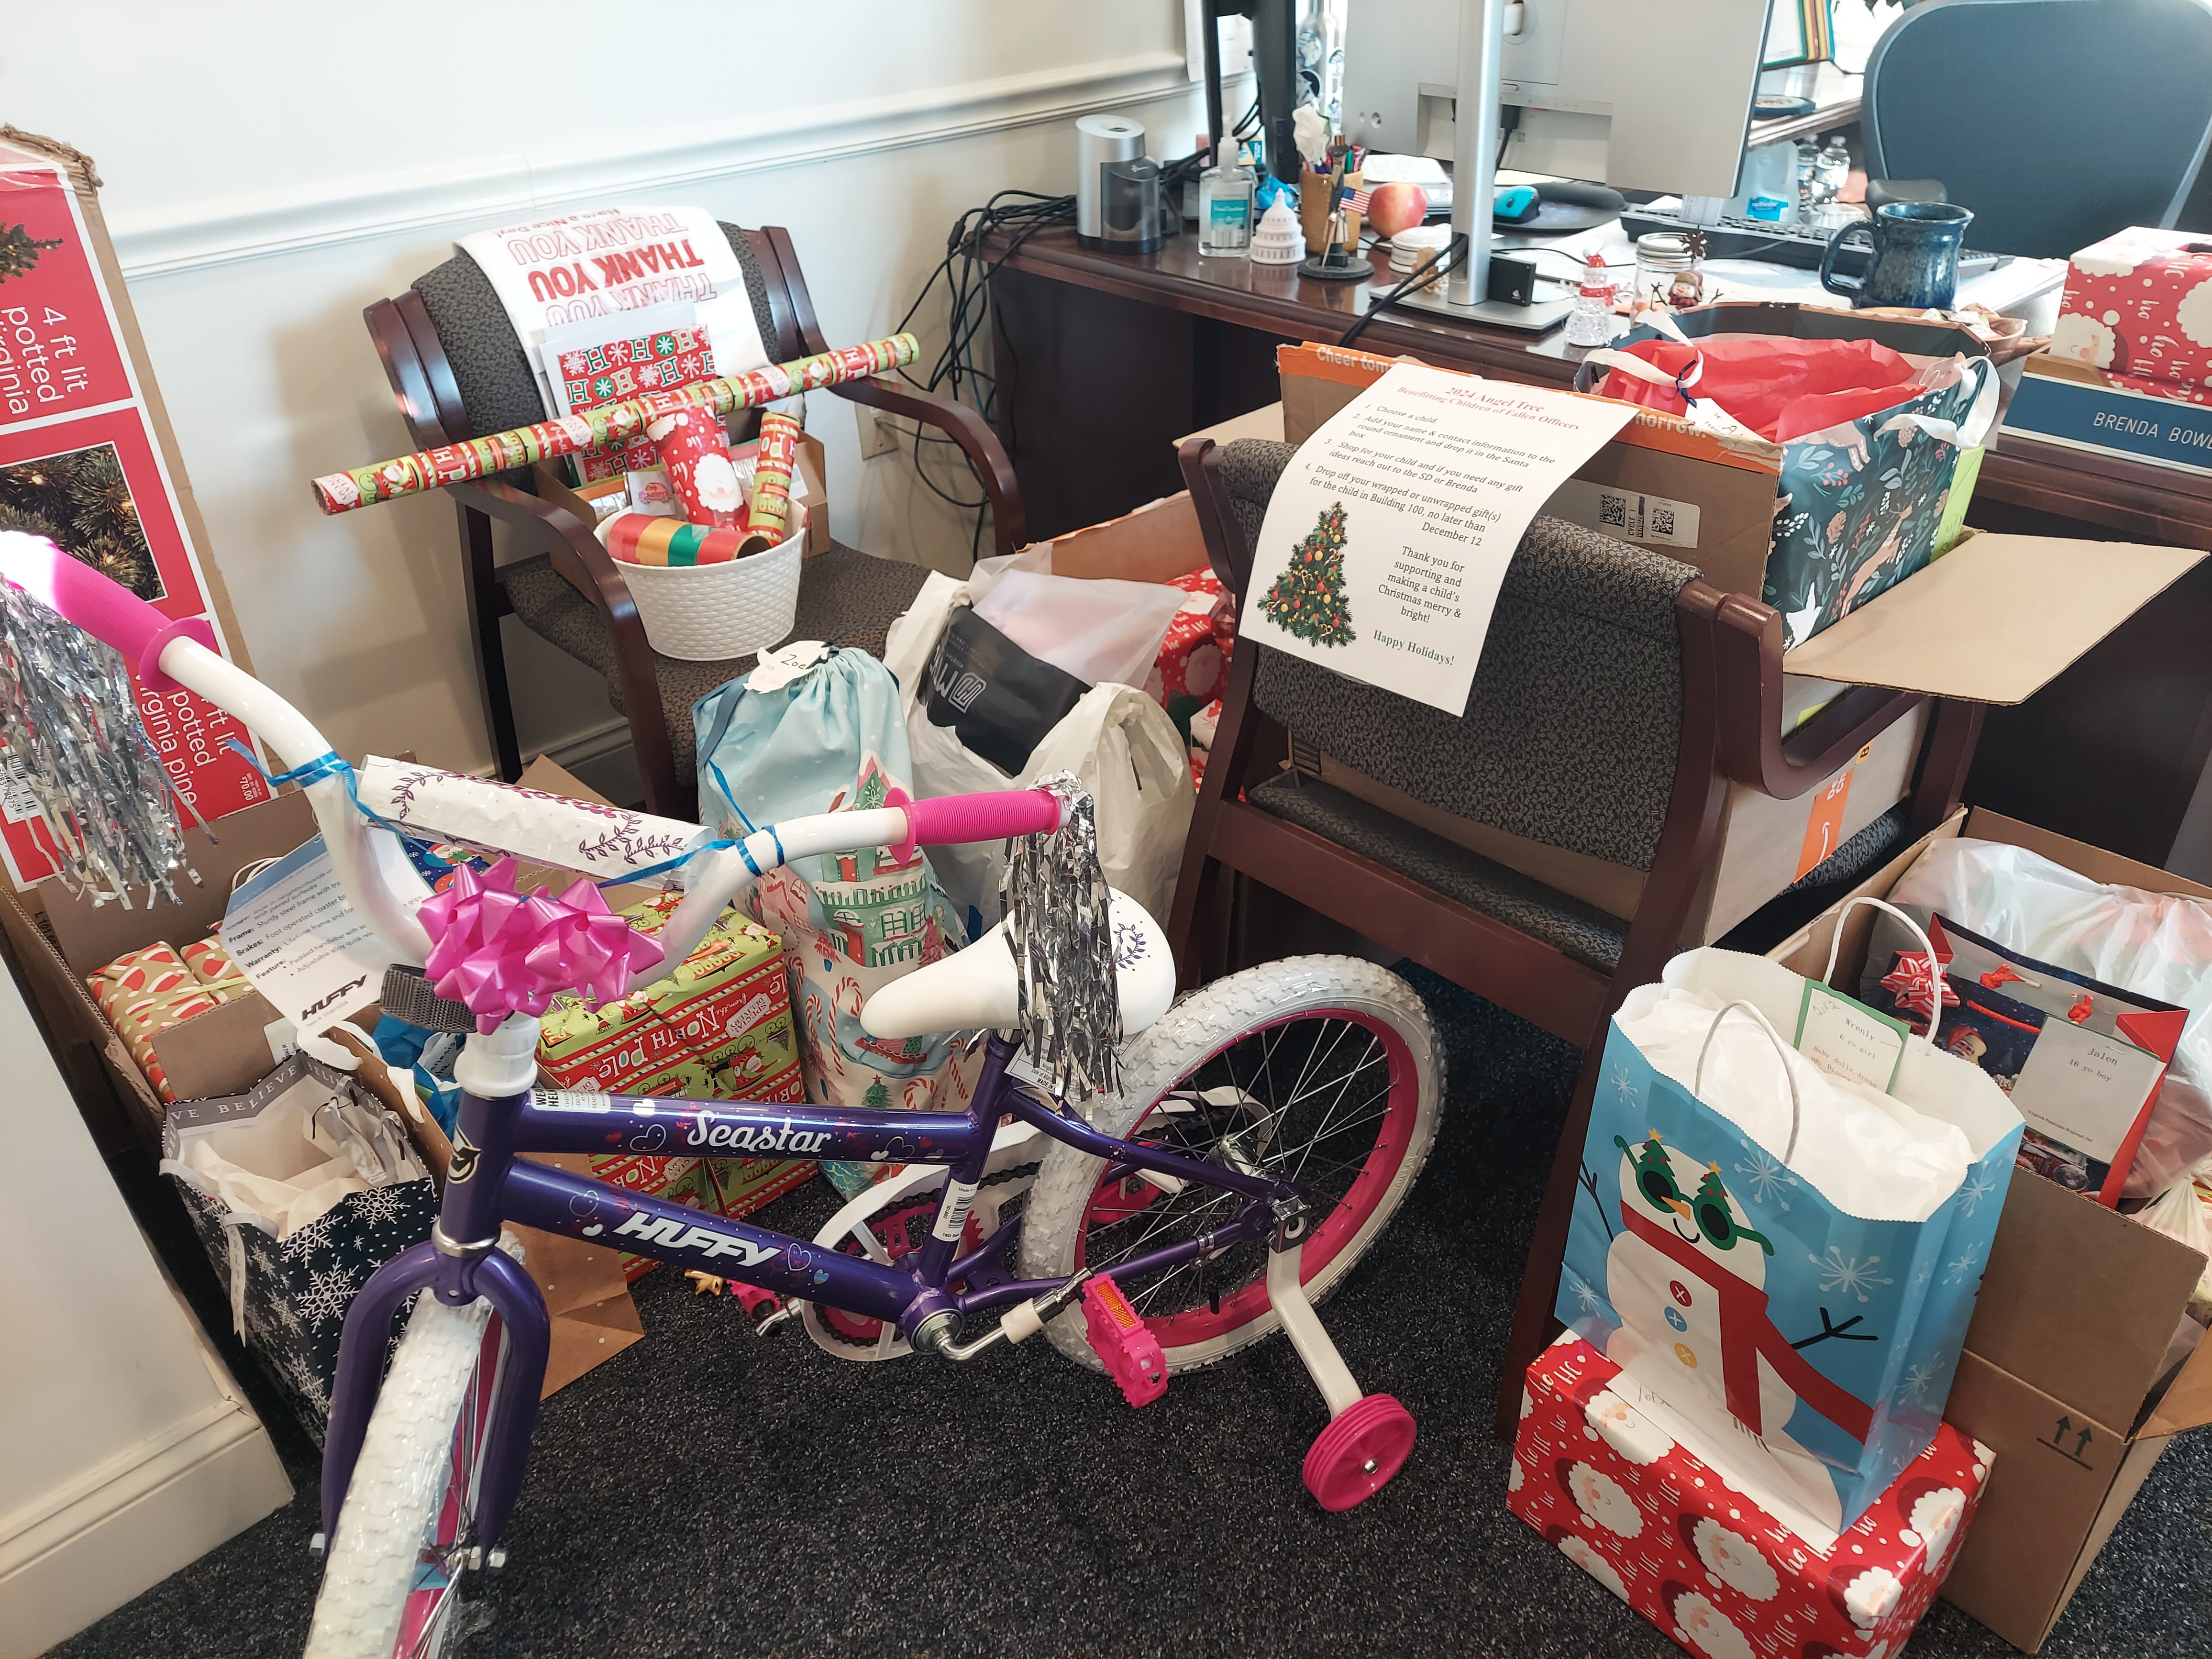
(1105, 359)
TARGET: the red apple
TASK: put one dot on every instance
(1396, 207)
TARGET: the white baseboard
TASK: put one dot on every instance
(134, 1521)
(604, 758)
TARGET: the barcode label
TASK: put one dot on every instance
(1628, 514)
(17, 803)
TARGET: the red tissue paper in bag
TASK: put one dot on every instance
(1780, 388)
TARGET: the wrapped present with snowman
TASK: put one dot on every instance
(1786, 1200)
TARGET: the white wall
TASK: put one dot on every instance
(271, 168)
(125, 1450)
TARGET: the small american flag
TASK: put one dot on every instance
(1356, 201)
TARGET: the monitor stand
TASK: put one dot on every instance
(1539, 317)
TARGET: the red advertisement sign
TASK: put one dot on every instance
(80, 466)
(59, 353)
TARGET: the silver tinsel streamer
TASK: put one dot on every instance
(1062, 938)
(70, 718)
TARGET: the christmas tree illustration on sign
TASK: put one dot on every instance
(1306, 600)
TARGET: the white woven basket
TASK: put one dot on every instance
(707, 612)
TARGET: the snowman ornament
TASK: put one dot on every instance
(1686, 1274)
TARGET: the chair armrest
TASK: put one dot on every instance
(994, 471)
(1754, 751)
(575, 551)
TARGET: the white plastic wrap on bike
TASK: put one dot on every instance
(973, 989)
(606, 843)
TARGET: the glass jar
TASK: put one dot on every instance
(1669, 272)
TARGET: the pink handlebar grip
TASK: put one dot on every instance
(105, 609)
(991, 816)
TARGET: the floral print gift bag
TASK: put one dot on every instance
(1871, 427)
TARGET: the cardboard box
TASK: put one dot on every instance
(2064, 1363)
(2035, 603)
(61, 939)
(1647, 1517)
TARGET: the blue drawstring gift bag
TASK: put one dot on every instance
(815, 729)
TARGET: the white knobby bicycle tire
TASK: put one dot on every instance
(398, 1483)
(1202, 1024)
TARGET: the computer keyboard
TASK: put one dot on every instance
(1799, 246)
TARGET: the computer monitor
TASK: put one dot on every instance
(1633, 93)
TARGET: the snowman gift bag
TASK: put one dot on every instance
(1785, 1204)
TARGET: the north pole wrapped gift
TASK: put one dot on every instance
(1191, 670)
(1649, 1518)
(2139, 304)
(1786, 1205)
(724, 1013)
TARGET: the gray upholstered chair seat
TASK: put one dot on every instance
(1579, 931)
(844, 596)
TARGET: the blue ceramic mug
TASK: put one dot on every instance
(1915, 262)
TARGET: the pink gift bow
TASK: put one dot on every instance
(501, 952)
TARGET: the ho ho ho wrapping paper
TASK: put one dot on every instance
(1799, 1310)
(1387, 538)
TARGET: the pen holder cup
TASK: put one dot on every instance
(1313, 213)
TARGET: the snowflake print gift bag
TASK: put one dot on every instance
(300, 1189)
(1785, 1203)
(807, 733)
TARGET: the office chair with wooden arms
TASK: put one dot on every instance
(2057, 122)
(458, 370)
(1618, 694)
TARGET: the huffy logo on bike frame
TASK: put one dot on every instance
(678, 1234)
(465, 1154)
(745, 1138)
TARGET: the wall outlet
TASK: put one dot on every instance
(878, 436)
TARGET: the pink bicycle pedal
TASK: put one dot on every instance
(1131, 1352)
(757, 1302)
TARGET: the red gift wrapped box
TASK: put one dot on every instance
(1644, 1515)
(2139, 304)
(1191, 670)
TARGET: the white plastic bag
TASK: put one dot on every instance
(2184, 1212)
(1101, 631)
(2157, 944)
(1116, 740)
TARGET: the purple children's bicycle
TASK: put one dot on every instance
(1152, 1182)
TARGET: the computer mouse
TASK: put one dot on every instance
(1573, 192)
(1515, 203)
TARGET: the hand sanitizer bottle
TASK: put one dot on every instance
(1224, 209)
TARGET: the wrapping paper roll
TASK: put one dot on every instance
(694, 452)
(770, 511)
(610, 424)
(645, 538)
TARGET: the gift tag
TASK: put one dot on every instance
(1846, 1039)
(778, 667)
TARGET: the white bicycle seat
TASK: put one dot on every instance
(973, 989)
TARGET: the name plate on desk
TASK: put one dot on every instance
(1387, 536)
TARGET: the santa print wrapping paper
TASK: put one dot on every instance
(1647, 1518)
(79, 465)
(2139, 303)
(1191, 670)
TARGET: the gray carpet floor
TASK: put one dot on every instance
(707, 1494)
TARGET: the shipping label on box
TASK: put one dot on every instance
(1647, 1516)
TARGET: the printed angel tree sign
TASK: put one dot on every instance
(1387, 536)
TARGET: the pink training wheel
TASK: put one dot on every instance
(1354, 1457)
